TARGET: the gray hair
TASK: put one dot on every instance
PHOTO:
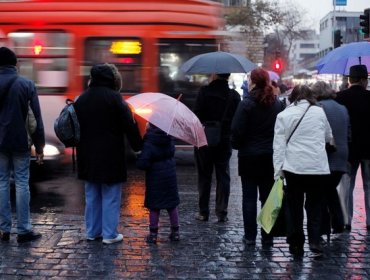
(322, 90)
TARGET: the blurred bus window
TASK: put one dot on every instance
(125, 53)
(44, 58)
(172, 54)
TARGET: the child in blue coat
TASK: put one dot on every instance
(157, 159)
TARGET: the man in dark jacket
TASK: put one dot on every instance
(104, 120)
(17, 94)
(357, 101)
(215, 102)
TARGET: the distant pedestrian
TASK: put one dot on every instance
(245, 88)
(357, 101)
(105, 119)
(283, 88)
(275, 88)
(158, 160)
(252, 133)
(17, 94)
(338, 118)
(301, 131)
(215, 102)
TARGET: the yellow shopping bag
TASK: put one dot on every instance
(270, 210)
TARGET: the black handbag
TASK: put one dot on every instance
(213, 129)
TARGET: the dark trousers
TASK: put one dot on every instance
(257, 176)
(251, 188)
(207, 159)
(297, 187)
(334, 211)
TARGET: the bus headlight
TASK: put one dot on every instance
(50, 150)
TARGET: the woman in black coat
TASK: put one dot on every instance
(104, 120)
(157, 159)
(252, 133)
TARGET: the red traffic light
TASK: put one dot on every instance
(278, 66)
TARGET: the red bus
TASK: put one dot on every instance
(57, 42)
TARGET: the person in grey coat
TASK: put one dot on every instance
(338, 118)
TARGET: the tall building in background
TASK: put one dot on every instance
(304, 52)
(347, 25)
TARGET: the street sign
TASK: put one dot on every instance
(340, 2)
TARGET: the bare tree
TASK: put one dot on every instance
(285, 22)
(293, 27)
(256, 16)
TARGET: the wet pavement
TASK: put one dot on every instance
(207, 250)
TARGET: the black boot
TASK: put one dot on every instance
(152, 237)
(174, 235)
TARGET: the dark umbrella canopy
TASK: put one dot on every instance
(217, 63)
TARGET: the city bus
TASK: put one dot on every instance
(57, 42)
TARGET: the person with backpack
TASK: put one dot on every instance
(157, 158)
(105, 119)
(17, 95)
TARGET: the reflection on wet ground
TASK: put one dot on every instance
(207, 250)
(56, 189)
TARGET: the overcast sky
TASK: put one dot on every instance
(317, 9)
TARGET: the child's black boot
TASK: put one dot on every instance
(152, 237)
(174, 235)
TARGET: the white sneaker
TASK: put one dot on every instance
(119, 238)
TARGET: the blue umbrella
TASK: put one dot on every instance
(218, 63)
(339, 60)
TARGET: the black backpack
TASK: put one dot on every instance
(67, 128)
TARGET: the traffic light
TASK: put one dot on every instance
(365, 23)
(278, 65)
(337, 38)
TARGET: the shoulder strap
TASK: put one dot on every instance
(290, 136)
(7, 88)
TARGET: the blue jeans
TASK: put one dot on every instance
(102, 210)
(348, 189)
(20, 164)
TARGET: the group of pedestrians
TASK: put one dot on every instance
(273, 140)
(105, 121)
(311, 143)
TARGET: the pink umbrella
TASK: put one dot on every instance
(170, 115)
(273, 76)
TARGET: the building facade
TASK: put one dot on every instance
(348, 23)
(303, 51)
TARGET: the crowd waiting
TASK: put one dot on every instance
(317, 140)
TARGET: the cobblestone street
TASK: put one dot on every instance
(207, 250)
